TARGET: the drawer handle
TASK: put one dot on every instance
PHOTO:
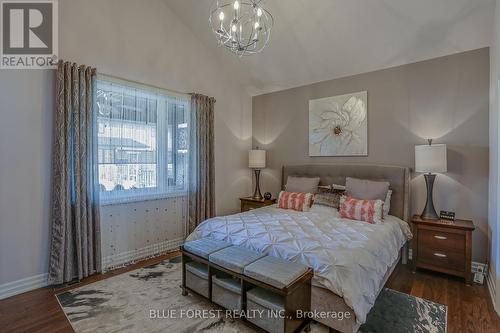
(440, 237)
(441, 255)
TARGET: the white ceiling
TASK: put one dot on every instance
(317, 40)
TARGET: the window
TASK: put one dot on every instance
(142, 141)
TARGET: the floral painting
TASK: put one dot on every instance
(338, 125)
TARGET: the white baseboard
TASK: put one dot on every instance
(39, 281)
(23, 285)
(152, 250)
(492, 289)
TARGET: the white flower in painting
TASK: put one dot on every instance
(336, 129)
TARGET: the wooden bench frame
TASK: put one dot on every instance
(300, 289)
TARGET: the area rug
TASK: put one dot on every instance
(149, 300)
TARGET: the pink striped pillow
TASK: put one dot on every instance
(371, 211)
(295, 200)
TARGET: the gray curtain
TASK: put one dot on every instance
(201, 196)
(75, 250)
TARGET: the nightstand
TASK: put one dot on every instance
(443, 246)
(249, 203)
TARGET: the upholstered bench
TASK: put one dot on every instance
(233, 259)
(196, 274)
(274, 271)
(241, 279)
(205, 247)
(284, 288)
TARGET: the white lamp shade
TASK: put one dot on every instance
(430, 158)
(257, 159)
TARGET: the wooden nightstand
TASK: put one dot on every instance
(249, 203)
(443, 246)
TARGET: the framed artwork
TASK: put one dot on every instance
(338, 125)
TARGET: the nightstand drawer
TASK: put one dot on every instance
(441, 257)
(441, 240)
(249, 206)
(443, 246)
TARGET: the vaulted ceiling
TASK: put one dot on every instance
(317, 40)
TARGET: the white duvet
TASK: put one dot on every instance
(350, 258)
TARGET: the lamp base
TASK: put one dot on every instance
(429, 213)
(256, 194)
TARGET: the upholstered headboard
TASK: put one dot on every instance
(398, 177)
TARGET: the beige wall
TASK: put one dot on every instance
(444, 98)
(26, 106)
(125, 38)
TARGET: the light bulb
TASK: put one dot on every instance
(233, 28)
(236, 5)
(221, 16)
(256, 25)
(259, 12)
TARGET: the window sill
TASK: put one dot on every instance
(143, 198)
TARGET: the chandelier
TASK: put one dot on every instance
(244, 27)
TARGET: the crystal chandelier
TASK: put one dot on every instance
(244, 27)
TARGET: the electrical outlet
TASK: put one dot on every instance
(479, 277)
(479, 267)
(480, 271)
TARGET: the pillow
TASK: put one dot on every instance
(333, 188)
(294, 200)
(366, 189)
(337, 187)
(302, 184)
(387, 203)
(328, 199)
(370, 211)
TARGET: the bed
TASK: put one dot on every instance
(351, 260)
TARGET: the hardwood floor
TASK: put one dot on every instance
(469, 307)
(39, 311)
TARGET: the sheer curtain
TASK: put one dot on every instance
(143, 149)
(142, 142)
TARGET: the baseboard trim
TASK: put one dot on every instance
(492, 289)
(23, 285)
(153, 250)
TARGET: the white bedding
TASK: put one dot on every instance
(350, 258)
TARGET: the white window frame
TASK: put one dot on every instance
(162, 190)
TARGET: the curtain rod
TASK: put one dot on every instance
(113, 77)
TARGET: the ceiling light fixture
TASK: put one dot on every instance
(244, 27)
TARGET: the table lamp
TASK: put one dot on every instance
(257, 161)
(430, 159)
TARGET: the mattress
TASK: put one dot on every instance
(349, 258)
